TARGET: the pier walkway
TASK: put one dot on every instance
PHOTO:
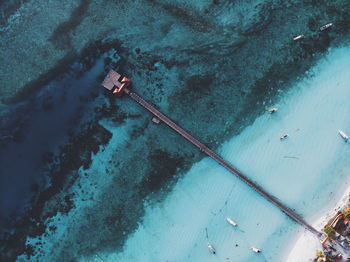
(290, 213)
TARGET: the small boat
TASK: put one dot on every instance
(273, 110)
(298, 37)
(230, 221)
(256, 250)
(343, 135)
(324, 27)
(155, 120)
(284, 136)
(211, 249)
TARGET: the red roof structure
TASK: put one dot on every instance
(112, 80)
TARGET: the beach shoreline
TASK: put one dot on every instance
(307, 244)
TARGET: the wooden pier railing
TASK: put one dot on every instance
(290, 213)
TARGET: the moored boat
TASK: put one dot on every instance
(284, 136)
(324, 27)
(230, 221)
(273, 110)
(343, 135)
(256, 250)
(211, 249)
(298, 37)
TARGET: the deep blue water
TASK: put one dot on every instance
(34, 131)
(217, 63)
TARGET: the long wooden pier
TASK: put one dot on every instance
(290, 213)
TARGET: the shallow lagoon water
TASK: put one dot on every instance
(243, 49)
(175, 228)
(308, 171)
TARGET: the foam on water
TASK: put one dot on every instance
(303, 171)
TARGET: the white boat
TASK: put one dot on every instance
(211, 249)
(343, 135)
(273, 110)
(324, 27)
(284, 136)
(256, 250)
(230, 221)
(155, 120)
(298, 37)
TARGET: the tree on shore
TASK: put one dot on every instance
(346, 212)
(329, 231)
(319, 253)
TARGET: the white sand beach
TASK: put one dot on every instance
(307, 244)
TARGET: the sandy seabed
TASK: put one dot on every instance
(308, 171)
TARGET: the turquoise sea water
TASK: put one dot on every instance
(87, 177)
(308, 172)
(310, 161)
